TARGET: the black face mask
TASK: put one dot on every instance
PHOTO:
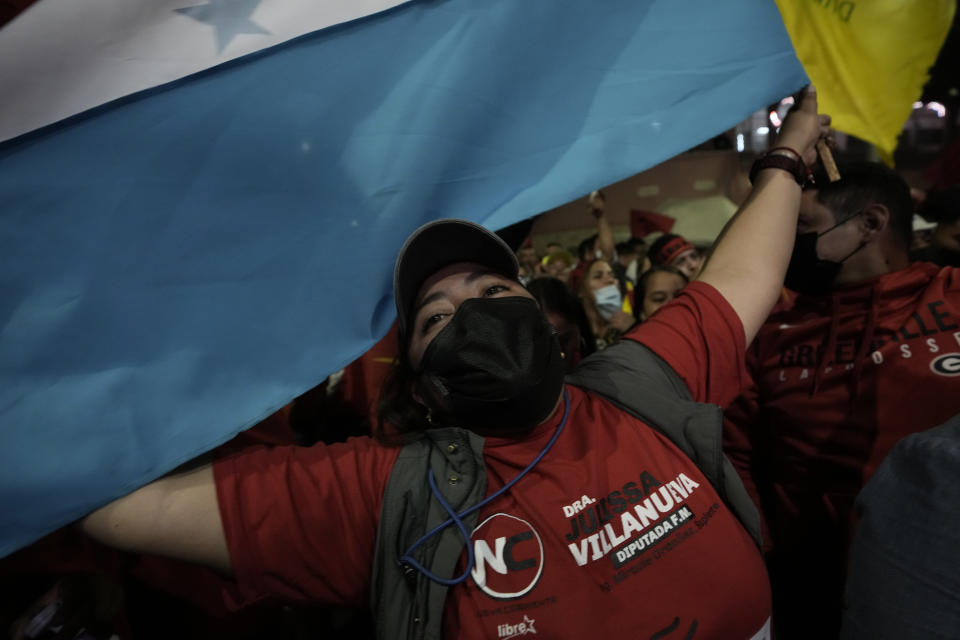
(496, 366)
(808, 273)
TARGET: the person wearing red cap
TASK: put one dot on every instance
(564, 509)
(676, 251)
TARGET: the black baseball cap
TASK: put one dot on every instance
(437, 244)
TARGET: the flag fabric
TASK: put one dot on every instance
(181, 259)
(61, 58)
(868, 60)
(643, 223)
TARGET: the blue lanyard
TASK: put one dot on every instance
(457, 518)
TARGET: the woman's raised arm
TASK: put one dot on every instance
(751, 256)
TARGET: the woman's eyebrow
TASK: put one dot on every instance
(476, 275)
(436, 295)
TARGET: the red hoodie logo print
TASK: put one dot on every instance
(946, 365)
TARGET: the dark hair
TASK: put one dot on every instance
(554, 296)
(633, 245)
(866, 183)
(399, 416)
(941, 205)
(585, 246)
(640, 291)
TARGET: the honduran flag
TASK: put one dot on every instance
(201, 200)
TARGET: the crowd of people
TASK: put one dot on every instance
(614, 285)
(544, 448)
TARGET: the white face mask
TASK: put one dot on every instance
(609, 300)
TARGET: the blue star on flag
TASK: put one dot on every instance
(229, 18)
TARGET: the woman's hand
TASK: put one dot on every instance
(750, 258)
(804, 127)
(596, 202)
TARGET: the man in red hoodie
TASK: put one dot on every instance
(867, 353)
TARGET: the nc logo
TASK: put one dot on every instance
(508, 557)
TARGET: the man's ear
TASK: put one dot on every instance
(874, 219)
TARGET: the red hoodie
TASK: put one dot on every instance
(838, 380)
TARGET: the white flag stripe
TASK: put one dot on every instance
(55, 60)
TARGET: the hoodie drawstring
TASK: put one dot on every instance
(831, 345)
(867, 339)
(869, 330)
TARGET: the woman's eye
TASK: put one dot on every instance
(432, 320)
(494, 290)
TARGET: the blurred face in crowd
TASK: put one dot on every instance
(558, 268)
(600, 276)
(627, 257)
(689, 262)
(527, 258)
(442, 294)
(661, 288)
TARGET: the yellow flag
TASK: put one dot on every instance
(869, 59)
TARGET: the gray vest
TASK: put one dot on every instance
(406, 604)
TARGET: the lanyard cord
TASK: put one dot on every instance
(455, 518)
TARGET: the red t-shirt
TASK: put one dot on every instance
(614, 530)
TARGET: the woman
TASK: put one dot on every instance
(655, 288)
(608, 309)
(584, 514)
